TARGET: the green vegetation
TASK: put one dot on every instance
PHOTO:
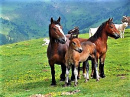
(24, 71)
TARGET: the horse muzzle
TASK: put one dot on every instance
(116, 35)
(62, 40)
(80, 50)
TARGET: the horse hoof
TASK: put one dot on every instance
(97, 80)
(102, 75)
(86, 80)
(53, 84)
(93, 76)
(75, 84)
(67, 84)
(62, 79)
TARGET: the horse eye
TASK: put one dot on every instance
(54, 29)
(73, 43)
(111, 27)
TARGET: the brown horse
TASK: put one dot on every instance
(100, 40)
(74, 31)
(57, 48)
(77, 53)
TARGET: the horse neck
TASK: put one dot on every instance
(53, 43)
(104, 36)
(100, 36)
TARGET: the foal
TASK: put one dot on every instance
(77, 53)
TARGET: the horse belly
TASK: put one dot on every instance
(84, 57)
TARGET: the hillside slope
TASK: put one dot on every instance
(24, 71)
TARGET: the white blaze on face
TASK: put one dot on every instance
(61, 31)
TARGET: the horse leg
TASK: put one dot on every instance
(62, 76)
(95, 68)
(84, 68)
(93, 73)
(67, 76)
(87, 70)
(123, 33)
(72, 76)
(76, 74)
(53, 74)
(101, 66)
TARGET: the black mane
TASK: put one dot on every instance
(98, 32)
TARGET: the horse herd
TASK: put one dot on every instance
(120, 27)
(69, 51)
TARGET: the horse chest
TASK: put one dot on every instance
(102, 49)
(55, 55)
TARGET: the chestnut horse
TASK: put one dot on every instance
(79, 53)
(100, 40)
(57, 48)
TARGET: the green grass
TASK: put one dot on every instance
(25, 71)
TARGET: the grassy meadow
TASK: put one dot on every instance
(24, 71)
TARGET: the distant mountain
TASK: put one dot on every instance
(24, 20)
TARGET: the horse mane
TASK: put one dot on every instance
(98, 32)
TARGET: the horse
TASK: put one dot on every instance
(92, 31)
(126, 19)
(57, 48)
(74, 31)
(121, 28)
(100, 40)
(46, 41)
(77, 53)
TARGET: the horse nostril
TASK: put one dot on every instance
(63, 40)
(80, 50)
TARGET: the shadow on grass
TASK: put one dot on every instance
(31, 85)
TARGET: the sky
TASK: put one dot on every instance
(67, 0)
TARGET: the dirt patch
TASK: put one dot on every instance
(51, 94)
(37, 95)
(46, 79)
(70, 92)
(44, 70)
(40, 95)
(122, 76)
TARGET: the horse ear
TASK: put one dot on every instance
(71, 37)
(77, 28)
(51, 20)
(124, 16)
(58, 19)
(111, 19)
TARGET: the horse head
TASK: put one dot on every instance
(55, 31)
(111, 29)
(74, 31)
(125, 24)
(75, 44)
